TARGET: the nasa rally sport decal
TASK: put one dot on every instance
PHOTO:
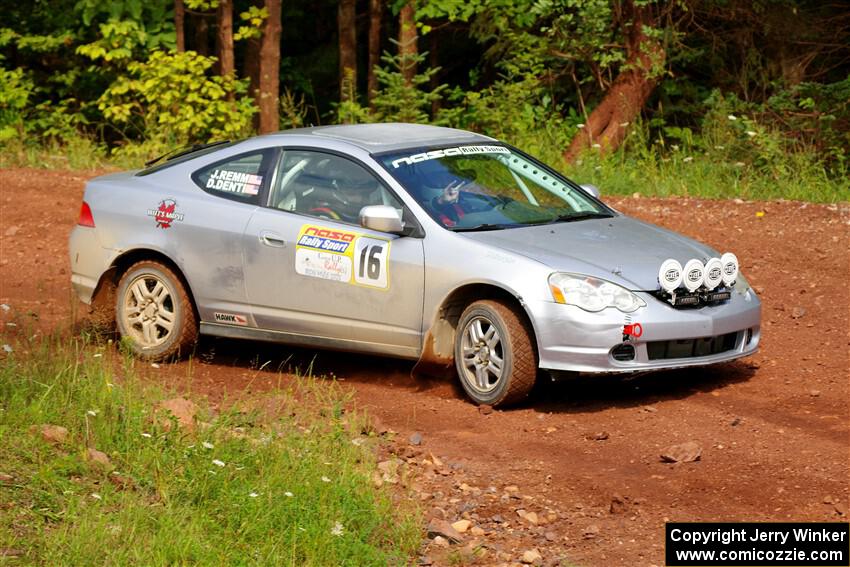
(342, 256)
(165, 213)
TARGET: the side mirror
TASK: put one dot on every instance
(382, 218)
(592, 189)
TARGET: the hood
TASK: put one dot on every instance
(620, 249)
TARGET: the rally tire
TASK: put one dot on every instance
(495, 354)
(154, 313)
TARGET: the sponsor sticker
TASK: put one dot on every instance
(324, 265)
(165, 213)
(342, 256)
(234, 182)
(326, 239)
(230, 318)
(447, 152)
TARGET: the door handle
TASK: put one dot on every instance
(272, 239)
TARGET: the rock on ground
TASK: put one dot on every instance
(441, 528)
(98, 458)
(683, 453)
(53, 433)
(182, 409)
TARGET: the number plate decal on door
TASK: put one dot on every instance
(342, 256)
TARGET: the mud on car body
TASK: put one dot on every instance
(431, 244)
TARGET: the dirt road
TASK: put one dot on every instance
(583, 455)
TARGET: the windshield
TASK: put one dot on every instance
(484, 187)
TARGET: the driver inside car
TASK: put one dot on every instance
(346, 200)
(447, 203)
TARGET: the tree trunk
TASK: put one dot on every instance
(179, 27)
(607, 125)
(225, 38)
(269, 83)
(434, 63)
(407, 39)
(376, 12)
(346, 23)
(251, 69)
(202, 35)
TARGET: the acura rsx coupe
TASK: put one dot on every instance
(432, 244)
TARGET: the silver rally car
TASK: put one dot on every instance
(419, 242)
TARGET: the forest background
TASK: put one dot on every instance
(709, 98)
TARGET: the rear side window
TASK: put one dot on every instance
(241, 178)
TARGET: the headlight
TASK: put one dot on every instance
(713, 273)
(670, 275)
(730, 268)
(592, 294)
(694, 275)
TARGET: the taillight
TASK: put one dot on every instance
(86, 218)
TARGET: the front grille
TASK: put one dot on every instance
(691, 348)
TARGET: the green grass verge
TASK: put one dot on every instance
(279, 484)
(723, 165)
(709, 177)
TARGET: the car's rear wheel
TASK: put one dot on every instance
(494, 353)
(154, 312)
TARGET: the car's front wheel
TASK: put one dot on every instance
(154, 312)
(494, 353)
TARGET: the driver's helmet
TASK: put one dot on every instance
(353, 189)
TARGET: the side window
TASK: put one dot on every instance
(326, 186)
(239, 177)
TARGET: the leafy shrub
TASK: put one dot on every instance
(15, 91)
(520, 112)
(173, 97)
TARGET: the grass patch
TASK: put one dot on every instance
(281, 483)
(710, 177)
(77, 153)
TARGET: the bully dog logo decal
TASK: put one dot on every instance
(165, 213)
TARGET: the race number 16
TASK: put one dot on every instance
(370, 261)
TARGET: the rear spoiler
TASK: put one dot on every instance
(184, 151)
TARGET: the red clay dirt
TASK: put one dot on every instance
(583, 454)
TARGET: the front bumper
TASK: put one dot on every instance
(571, 339)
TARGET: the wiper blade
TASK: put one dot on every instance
(183, 151)
(581, 216)
(482, 227)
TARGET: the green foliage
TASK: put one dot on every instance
(120, 42)
(521, 112)
(202, 5)
(174, 97)
(396, 99)
(153, 17)
(252, 26)
(814, 114)
(293, 110)
(15, 91)
(37, 43)
(252, 487)
(81, 74)
(399, 100)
